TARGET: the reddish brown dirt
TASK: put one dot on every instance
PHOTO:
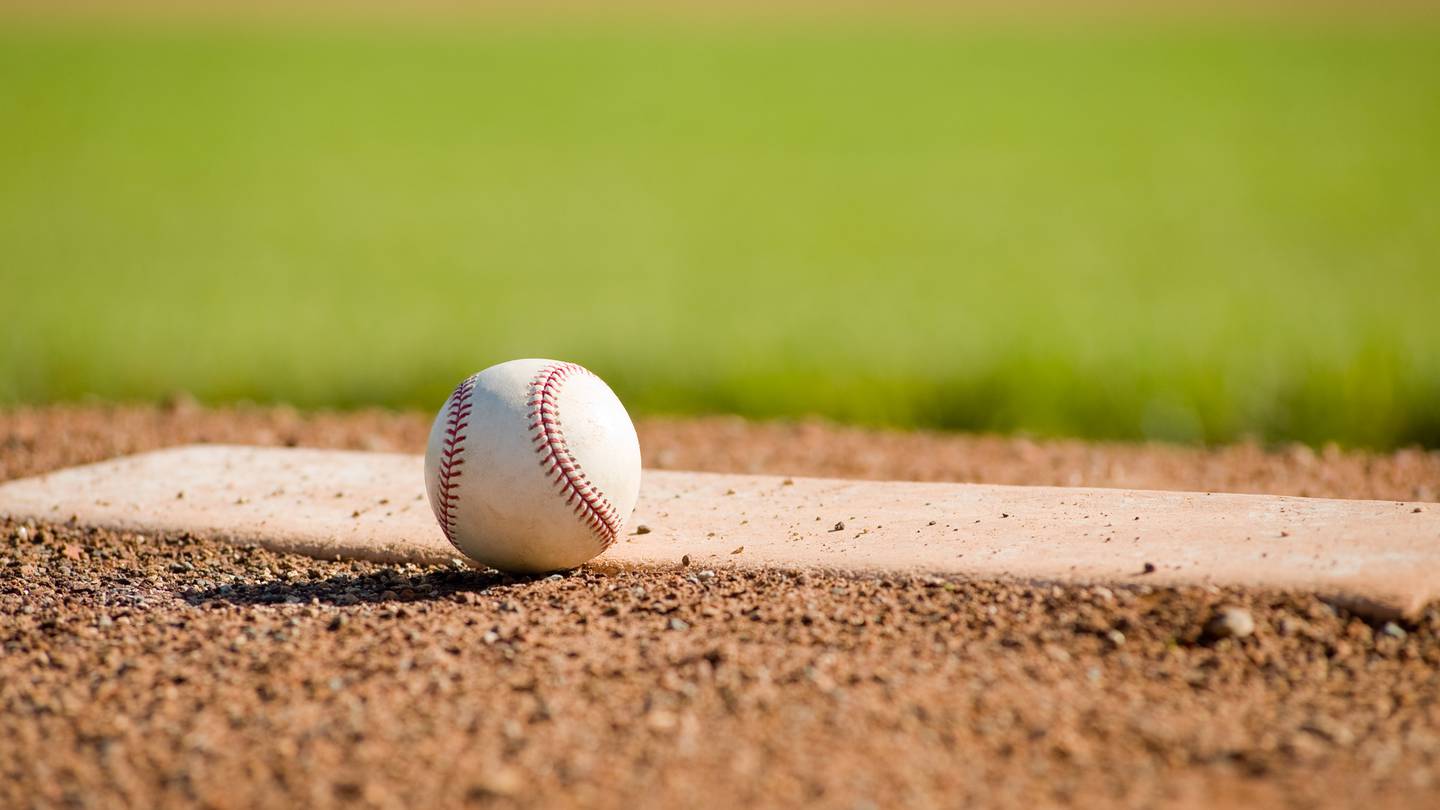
(36, 440)
(158, 671)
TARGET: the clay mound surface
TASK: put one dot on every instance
(1381, 558)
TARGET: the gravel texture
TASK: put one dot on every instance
(160, 671)
(36, 440)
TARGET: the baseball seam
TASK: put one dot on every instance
(447, 490)
(591, 505)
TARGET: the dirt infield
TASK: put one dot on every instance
(38, 440)
(158, 671)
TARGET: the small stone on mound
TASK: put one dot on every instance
(1230, 622)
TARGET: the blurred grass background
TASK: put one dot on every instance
(1189, 232)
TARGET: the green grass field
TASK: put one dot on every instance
(1134, 231)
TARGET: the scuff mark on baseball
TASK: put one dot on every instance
(532, 466)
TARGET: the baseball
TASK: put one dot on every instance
(532, 466)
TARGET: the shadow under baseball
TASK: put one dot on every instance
(352, 589)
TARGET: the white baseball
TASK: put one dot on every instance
(532, 466)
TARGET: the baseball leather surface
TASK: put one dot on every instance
(532, 466)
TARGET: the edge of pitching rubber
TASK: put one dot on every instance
(1377, 608)
(1390, 589)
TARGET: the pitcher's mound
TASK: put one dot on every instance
(1381, 558)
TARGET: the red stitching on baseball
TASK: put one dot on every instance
(594, 509)
(457, 418)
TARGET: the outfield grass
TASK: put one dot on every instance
(1123, 232)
